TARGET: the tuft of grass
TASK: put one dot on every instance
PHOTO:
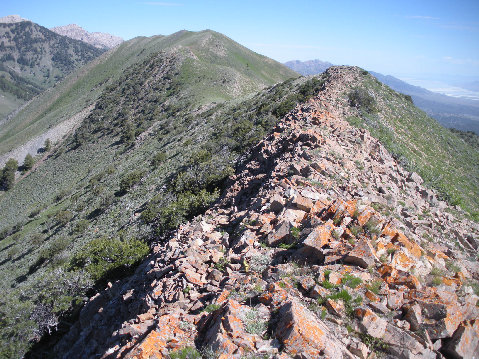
(185, 353)
(351, 281)
(374, 286)
(210, 308)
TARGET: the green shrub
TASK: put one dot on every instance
(36, 239)
(351, 281)
(47, 254)
(63, 217)
(185, 353)
(342, 294)
(28, 162)
(375, 286)
(129, 180)
(372, 226)
(295, 232)
(61, 195)
(47, 146)
(105, 258)
(81, 226)
(355, 230)
(184, 207)
(211, 308)
(7, 178)
(361, 99)
(158, 159)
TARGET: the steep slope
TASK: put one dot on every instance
(451, 112)
(322, 245)
(221, 69)
(152, 121)
(458, 113)
(100, 40)
(34, 58)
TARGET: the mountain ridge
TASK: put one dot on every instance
(148, 104)
(177, 124)
(291, 252)
(458, 113)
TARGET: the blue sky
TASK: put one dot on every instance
(414, 39)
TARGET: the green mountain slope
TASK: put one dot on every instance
(156, 138)
(444, 160)
(213, 67)
(34, 58)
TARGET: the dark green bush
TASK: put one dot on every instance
(185, 353)
(28, 162)
(47, 146)
(63, 217)
(81, 226)
(361, 99)
(106, 259)
(158, 159)
(129, 180)
(7, 178)
(186, 206)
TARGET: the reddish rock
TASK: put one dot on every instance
(365, 215)
(397, 237)
(412, 314)
(318, 291)
(277, 203)
(370, 322)
(319, 237)
(335, 307)
(371, 296)
(303, 335)
(224, 332)
(165, 337)
(303, 203)
(464, 342)
(359, 349)
(440, 319)
(362, 255)
(280, 234)
(404, 344)
(274, 296)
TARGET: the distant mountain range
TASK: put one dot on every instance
(452, 112)
(100, 40)
(311, 67)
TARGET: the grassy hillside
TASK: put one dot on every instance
(446, 161)
(222, 70)
(152, 153)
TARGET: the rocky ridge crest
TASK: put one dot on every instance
(12, 19)
(98, 39)
(321, 246)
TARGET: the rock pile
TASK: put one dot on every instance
(323, 246)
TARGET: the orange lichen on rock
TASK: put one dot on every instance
(274, 296)
(302, 334)
(157, 343)
(365, 215)
(397, 237)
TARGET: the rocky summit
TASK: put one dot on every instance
(321, 246)
(98, 39)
